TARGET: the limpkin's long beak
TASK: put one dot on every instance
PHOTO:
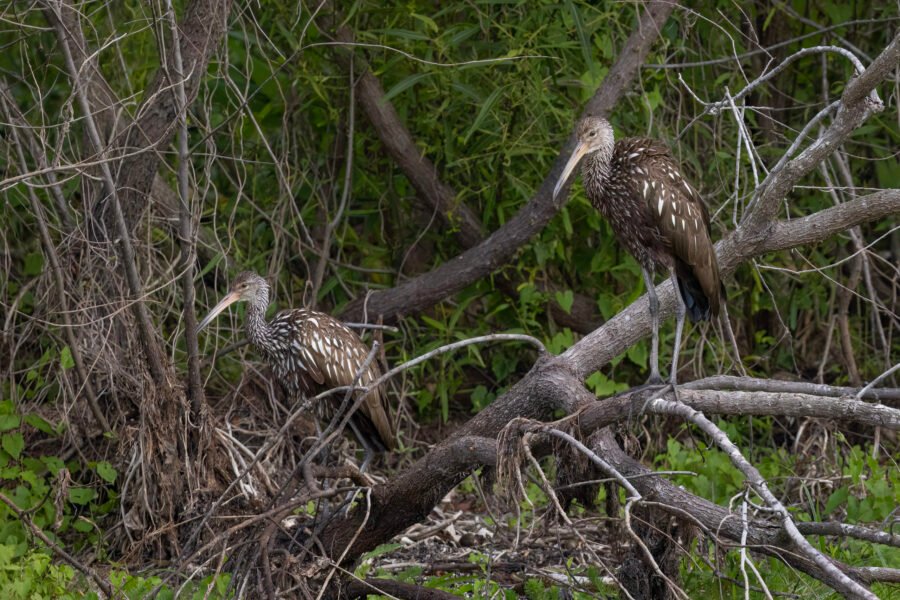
(227, 301)
(580, 151)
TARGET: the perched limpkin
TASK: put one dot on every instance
(657, 215)
(310, 352)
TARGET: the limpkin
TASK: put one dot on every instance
(656, 215)
(310, 352)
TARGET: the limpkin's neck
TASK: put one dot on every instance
(259, 332)
(595, 169)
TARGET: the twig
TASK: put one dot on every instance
(877, 380)
(604, 466)
(336, 564)
(331, 224)
(648, 556)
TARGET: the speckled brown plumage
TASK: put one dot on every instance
(310, 352)
(658, 217)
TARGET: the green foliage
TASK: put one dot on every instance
(135, 587)
(31, 575)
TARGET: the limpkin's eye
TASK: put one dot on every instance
(592, 133)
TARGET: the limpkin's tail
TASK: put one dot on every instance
(377, 440)
(700, 289)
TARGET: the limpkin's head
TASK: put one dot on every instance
(247, 286)
(593, 134)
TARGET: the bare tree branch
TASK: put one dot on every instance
(761, 536)
(397, 589)
(752, 384)
(836, 529)
(105, 104)
(758, 403)
(831, 575)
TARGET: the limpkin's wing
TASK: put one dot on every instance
(333, 355)
(682, 219)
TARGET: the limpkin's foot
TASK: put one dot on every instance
(655, 380)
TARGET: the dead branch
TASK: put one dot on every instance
(752, 384)
(201, 29)
(835, 529)
(409, 496)
(111, 119)
(761, 536)
(825, 223)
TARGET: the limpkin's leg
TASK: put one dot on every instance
(680, 311)
(655, 378)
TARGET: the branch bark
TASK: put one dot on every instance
(185, 233)
(396, 589)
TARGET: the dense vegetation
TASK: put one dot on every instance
(288, 177)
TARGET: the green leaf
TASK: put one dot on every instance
(13, 444)
(404, 84)
(638, 355)
(34, 263)
(65, 358)
(429, 22)
(603, 386)
(380, 550)
(82, 525)
(107, 471)
(483, 113)
(81, 495)
(8, 422)
(40, 424)
(565, 300)
(53, 464)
